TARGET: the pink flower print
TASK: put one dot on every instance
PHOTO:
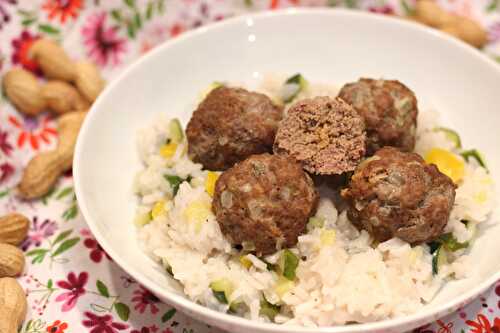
(142, 298)
(423, 329)
(385, 9)
(38, 232)
(85, 232)
(5, 146)
(75, 286)
(4, 15)
(96, 251)
(34, 131)
(143, 330)
(102, 42)
(6, 171)
(176, 29)
(102, 324)
(20, 54)
(62, 9)
(494, 32)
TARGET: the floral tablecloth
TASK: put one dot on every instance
(72, 285)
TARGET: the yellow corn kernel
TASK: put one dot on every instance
(142, 219)
(158, 209)
(276, 100)
(283, 286)
(168, 150)
(327, 237)
(210, 182)
(481, 197)
(247, 263)
(486, 181)
(197, 226)
(197, 211)
(415, 254)
(447, 162)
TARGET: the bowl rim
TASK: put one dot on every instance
(185, 304)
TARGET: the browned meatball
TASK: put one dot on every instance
(389, 109)
(231, 124)
(324, 134)
(396, 194)
(265, 200)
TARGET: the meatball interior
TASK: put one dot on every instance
(389, 109)
(265, 200)
(229, 125)
(396, 194)
(324, 134)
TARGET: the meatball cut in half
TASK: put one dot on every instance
(324, 134)
(264, 203)
(396, 194)
(229, 125)
(389, 109)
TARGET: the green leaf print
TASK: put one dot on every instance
(123, 311)
(50, 284)
(130, 3)
(48, 29)
(138, 20)
(62, 236)
(46, 197)
(38, 255)
(116, 15)
(101, 287)
(149, 11)
(28, 324)
(131, 29)
(65, 246)
(27, 17)
(55, 248)
(4, 193)
(64, 192)
(71, 212)
(28, 22)
(408, 10)
(351, 3)
(168, 315)
(25, 13)
(34, 326)
(132, 18)
(493, 5)
(161, 6)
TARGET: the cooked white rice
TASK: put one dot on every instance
(344, 278)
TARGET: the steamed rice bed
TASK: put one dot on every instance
(344, 277)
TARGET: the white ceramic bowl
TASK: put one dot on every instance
(334, 46)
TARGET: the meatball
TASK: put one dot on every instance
(324, 134)
(266, 201)
(229, 125)
(396, 194)
(389, 109)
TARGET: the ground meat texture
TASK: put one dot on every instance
(324, 134)
(396, 194)
(389, 109)
(266, 201)
(229, 125)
